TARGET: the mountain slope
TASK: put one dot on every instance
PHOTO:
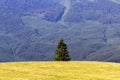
(30, 29)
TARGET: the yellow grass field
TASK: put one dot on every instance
(60, 71)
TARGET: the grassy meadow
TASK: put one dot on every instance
(60, 71)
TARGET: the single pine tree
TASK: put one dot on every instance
(61, 53)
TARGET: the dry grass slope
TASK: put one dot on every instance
(60, 71)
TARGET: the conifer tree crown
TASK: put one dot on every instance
(61, 53)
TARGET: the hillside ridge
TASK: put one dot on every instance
(30, 29)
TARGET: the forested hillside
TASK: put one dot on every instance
(30, 29)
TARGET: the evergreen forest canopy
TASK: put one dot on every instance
(30, 29)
